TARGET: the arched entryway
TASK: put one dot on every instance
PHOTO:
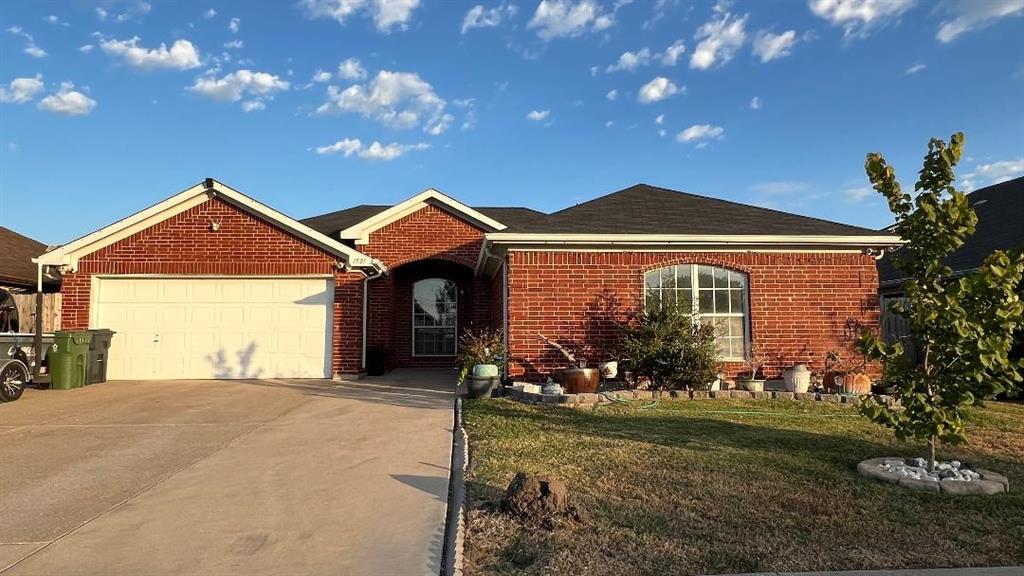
(418, 311)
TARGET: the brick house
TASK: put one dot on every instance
(212, 284)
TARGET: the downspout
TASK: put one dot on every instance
(366, 286)
(37, 340)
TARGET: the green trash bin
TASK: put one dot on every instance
(67, 359)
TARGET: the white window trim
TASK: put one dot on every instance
(414, 326)
(695, 303)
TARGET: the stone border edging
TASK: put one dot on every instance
(455, 517)
(588, 399)
(990, 482)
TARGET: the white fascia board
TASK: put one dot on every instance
(70, 253)
(690, 240)
(360, 232)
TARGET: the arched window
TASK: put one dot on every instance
(435, 314)
(718, 296)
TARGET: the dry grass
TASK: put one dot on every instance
(705, 487)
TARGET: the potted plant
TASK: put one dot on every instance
(797, 378)
(834, 377)
(752, 376)
(480, 352)
(574, 378)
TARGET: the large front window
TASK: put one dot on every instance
(435, 313)
(718, 296)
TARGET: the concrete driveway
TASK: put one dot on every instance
(227, 477)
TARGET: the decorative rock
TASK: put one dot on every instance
(852, 400)
(994, 477)
(873, 469)
(834, 398)
(779, 395)
(987, 487)
(623, 394)
(586, 398)
(536, 498)
(742, 394)
(718, 394)
(922, 485)
(643, 394)
(700, 395)
(761, 395)
(531, 397)
(680, 394)
(806, 395)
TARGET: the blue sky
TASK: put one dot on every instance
(318, 105)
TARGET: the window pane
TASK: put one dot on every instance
(737, 280)
(652, 279)
(686, 300)
(706, 301)
(434, 341)
(705, 277)
(736, 301)
(683, 279)
(434, 316)
(668, 278)
(722, 301)
(721, 277)
(736, 327)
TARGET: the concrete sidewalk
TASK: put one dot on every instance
(243, 477)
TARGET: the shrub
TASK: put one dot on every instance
(485, 346)
(670, 348)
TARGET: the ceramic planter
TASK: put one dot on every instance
(578, 380)
(797, 379)
(480, 387)
(609, 370)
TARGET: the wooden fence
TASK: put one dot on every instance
(26, 304)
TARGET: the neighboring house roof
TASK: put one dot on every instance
(16, 254)
(1000, 210)
(70, 253)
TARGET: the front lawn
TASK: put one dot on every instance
(720, 486)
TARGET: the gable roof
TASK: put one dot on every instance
(1000, 210)
(334, 222)
(645, 209)
(16, 267)
(69, 254)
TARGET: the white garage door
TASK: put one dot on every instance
(215, 327)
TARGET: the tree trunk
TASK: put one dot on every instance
(931, 453)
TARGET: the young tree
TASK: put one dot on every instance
(963, 326)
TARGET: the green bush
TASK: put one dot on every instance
(671, 349)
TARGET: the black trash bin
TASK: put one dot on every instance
(99, 345)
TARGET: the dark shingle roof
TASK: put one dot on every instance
(334, 222)
(1000, 210)
(644, 209)
(16, 254)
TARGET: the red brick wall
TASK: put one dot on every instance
(800, 303)
(407, 247)
(243, 245)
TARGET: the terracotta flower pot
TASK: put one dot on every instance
(578, 380)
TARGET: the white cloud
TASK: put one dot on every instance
(538, 115)
(181, 56)
(975, 14)
(779, 188)
(769, 46)
(755, 103)
(21, 90)
(720, 38)
(662, 132)
(480, 17)
(993, 173)
(859, 18)
(209, 14)
(631, 60)
(86, 48)
(699, 132)
(67, 101)
(612, 95)
(659, 119)
(915, 68)
(234, 44)
(858, 194)
(672, 53)
(351, 69)
(322, 76)
(30, 43)
(386, 14)
(234, 25)
(101, 13)
(253, 105)
(257, 86)
(396, 99)
(566, 19)
(136, 9)
(375, 151)
(656, 90)
(609, 124)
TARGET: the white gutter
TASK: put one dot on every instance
(691, 239)
(366, 285)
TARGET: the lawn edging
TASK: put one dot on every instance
(588, 399)
(455, 517)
